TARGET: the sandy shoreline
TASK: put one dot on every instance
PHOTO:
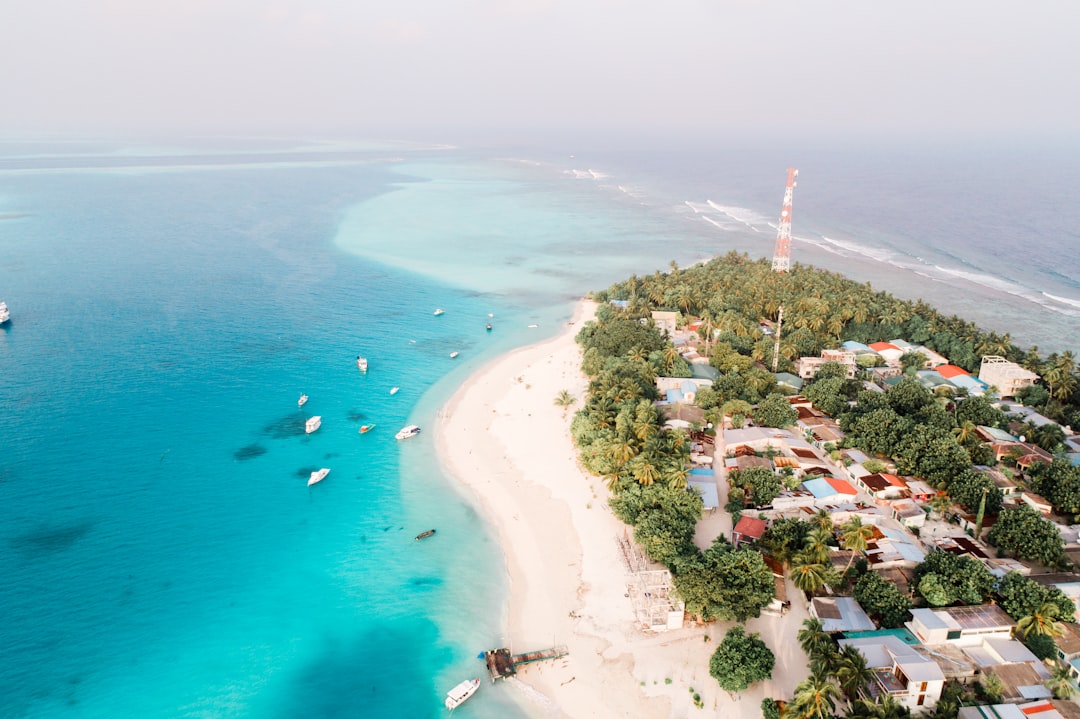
(502, 436)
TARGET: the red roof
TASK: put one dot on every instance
(751, 527)
(841, 486)
(948, 371)
(1038, 708)
(879, 346)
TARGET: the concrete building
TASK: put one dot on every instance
(1008, 377)
(912, 679)
(963, 626)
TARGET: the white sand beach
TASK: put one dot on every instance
(505, 440)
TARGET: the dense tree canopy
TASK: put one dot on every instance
(1020, 597)
(944, 578)
(775, 411)
(881, 599)
(740, 660)
(724, 583)
(760, 484)
(1024, 532)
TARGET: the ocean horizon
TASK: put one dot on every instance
(170, 302)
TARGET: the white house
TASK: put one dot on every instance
(963, 626)
(912, 679)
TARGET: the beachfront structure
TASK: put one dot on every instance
(962, 626)
(912, 679)
(1008, 377)
(651, 591)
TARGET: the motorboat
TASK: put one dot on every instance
(361, 363)
(313, 424)
(394, 390)
(488, 327)
(459, 694)
(408, 431)
(5, 314)
(425, 535)
(317, 477)
(302, 401)
(454, 354)
(365, 428)
(440, 311)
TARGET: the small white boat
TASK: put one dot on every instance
(302, 401)
(408, 431)
(394, 390)
(365, 428)
(532, 327)
(454, 354)
(5, 315)
(313, 424)
(361, 363)
(317, 477)
(440, 311)
(457, 696)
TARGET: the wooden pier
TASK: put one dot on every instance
(502, 664)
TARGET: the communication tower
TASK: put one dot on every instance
(781, 260)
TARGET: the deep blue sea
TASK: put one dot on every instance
(160, 552)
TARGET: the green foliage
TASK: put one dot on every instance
(776, 411)
(979, 411)
(620, 334)
(967, 490)
(881, 599)
(954, 579)
(1024, 532)
(1059, 482)
(760, 484)
(932, 454)
(770, 709)
(724, 583)
(1041, 645)
(785, 537)
(740, 660)
(1021, 597)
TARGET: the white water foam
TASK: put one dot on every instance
(1063, 300)
(742, 215)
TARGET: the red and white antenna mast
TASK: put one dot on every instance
(781, 259)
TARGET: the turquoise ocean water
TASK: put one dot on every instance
(162, 554)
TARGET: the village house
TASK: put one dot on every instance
(915, 681)
(962, 626)
(807, 367)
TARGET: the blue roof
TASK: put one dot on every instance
(972, 384)
(674, 395)
(703, 472)
(819, 488)
(688, 387)
(853, 346)
(621, 303)
(707, 490)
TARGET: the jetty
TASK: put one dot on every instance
(502, 664)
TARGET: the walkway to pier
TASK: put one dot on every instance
(502, 664)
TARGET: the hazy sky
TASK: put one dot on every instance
(308, 66)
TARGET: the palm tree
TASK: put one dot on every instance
(813, 638)
(856, 537)
(1041, 621)
(1060, 681)
(965, 432)
(822, 519)
(816, 545)
(807, 574)
(815, 698)
(852, 672)
(565, 400)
